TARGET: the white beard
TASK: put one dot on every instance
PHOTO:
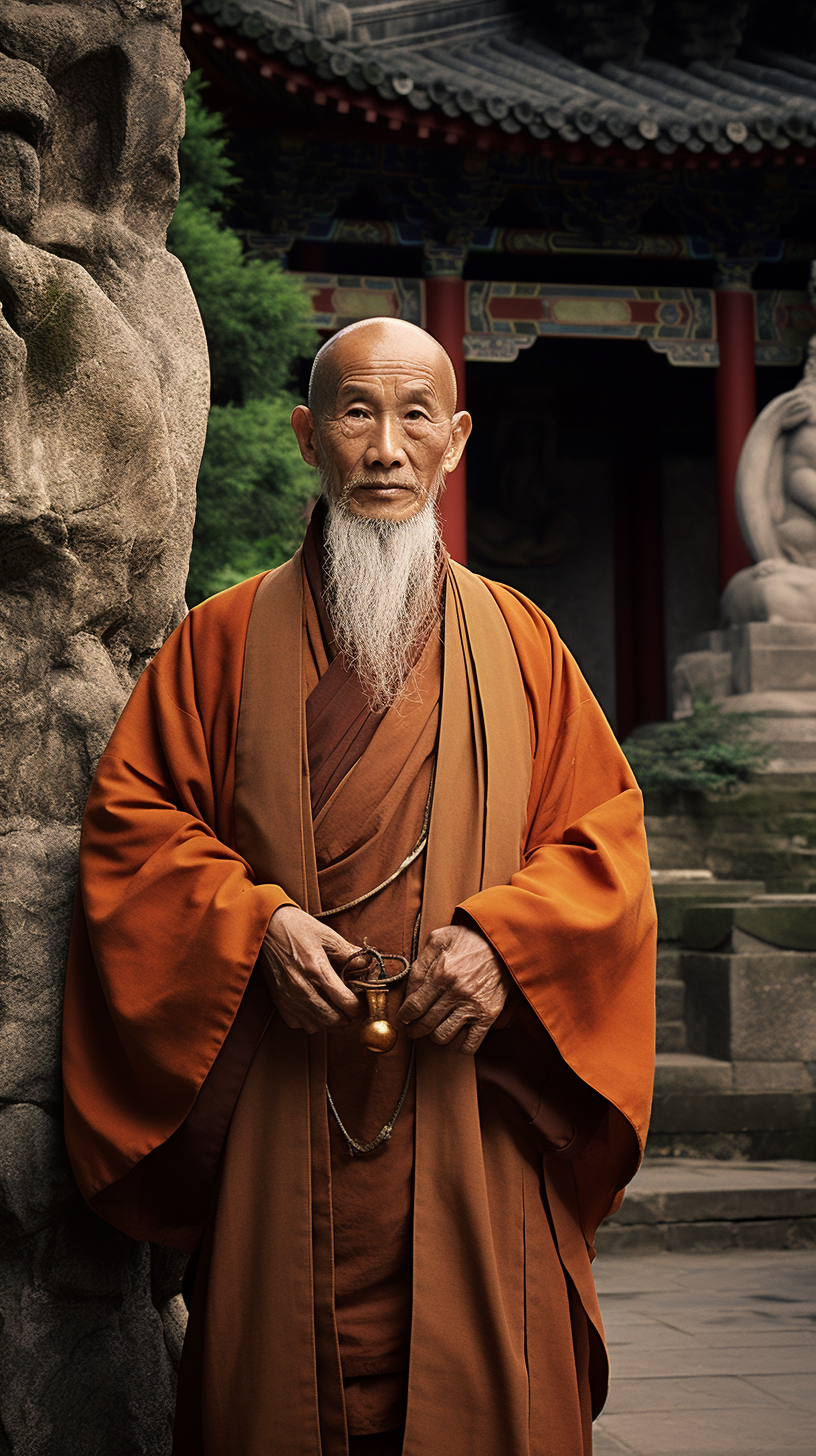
(380, 582)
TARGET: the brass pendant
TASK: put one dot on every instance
(377, 1032)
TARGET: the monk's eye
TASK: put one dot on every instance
(357, 414)
(416, 414)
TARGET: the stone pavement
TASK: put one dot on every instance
(712, 1354)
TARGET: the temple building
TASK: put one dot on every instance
(605, 212)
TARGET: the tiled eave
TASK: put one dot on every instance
(500, 93)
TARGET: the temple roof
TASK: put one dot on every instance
(498, 64)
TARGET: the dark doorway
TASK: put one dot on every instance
(584, 452)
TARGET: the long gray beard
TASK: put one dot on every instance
(380, 580)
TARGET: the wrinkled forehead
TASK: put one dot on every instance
(386, 363)
(384, 379)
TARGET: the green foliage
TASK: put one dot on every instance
(253, 485)
(207, 174)
(256, 317)
(248, 447)
(710, 750)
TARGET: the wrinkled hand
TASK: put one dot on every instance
(456, 989)
(296, 960)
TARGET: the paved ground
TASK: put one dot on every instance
(712, 1355)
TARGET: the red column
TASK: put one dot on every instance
(445, 319)
(639, 626)
(736, 412)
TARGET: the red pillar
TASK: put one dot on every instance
(639, 625)
(445, 319)
(736, 411)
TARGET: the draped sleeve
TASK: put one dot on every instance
(168, 921)
(576, 926)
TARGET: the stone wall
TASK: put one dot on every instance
(736, 1020)
(103, 400)
(765, 830)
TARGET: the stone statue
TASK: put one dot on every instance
(776, 505)
(103, 403)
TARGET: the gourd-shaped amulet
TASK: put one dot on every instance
(377, 1032)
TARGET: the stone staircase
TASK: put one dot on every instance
(710, 1206)
(736, 1021)
(730, 1157)
(672, 1036)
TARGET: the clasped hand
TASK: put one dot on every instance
(456, 987)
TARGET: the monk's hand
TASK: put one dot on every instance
(297, 959)
(456, 989)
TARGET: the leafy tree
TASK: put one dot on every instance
(253, 487)
(709, 750)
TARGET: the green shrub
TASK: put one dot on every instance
(253, 487)
(251, 448)
(710, 750)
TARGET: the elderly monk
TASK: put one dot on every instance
(368, 750)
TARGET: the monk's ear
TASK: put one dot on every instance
(304, 427)
(461, 426)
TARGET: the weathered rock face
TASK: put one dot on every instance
(103, 400)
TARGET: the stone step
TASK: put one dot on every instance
(685, 1204)
(762, 832)
(774, 703)
(756, 1125)
(668, 962)
(671, 1000)
(671, 1037)
(787, 763)
(685, 1072)
(674, 895)
(704, 1107)
(786, 922)
(756, 1145)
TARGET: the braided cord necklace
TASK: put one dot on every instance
(378, 988)
(353, 1145)
(378, 1035)
(409, 860)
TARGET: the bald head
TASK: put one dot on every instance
(381, 425)
(373, 345)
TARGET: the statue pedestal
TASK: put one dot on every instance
(767, 668)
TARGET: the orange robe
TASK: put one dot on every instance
(537, 835)
(369, 788)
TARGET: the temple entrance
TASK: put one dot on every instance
(592, 489)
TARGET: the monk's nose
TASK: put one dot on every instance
(385, 449)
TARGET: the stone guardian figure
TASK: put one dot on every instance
(776, 506)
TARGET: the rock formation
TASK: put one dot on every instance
(103, 401)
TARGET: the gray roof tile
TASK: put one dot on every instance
(508, 77)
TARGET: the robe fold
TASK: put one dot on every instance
(189, 1106)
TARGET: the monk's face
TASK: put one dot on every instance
(383, 430)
